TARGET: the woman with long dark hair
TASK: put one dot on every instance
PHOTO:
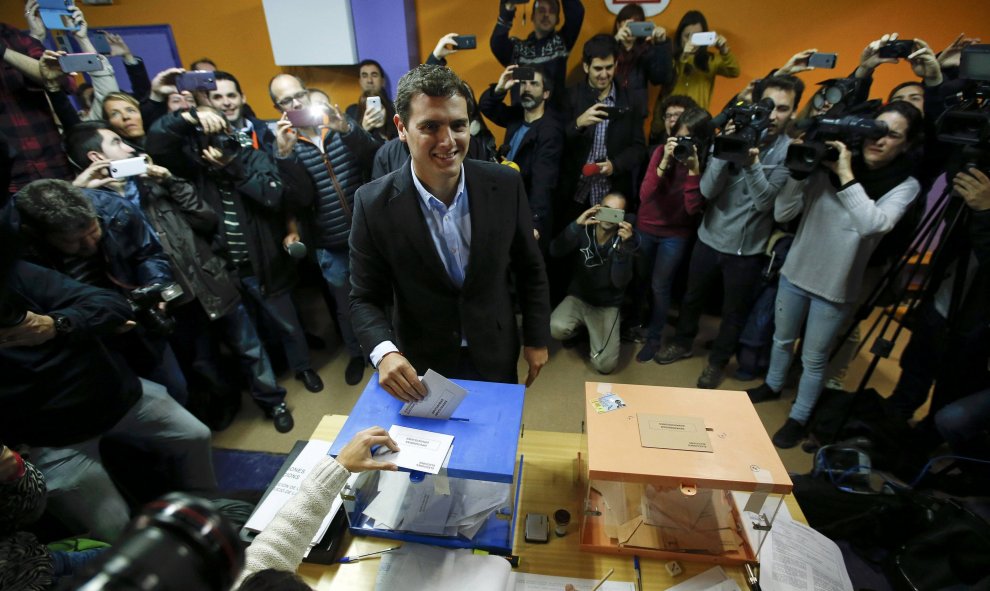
(670, 204)
(696, 66)
(847, 205)
(642, 60)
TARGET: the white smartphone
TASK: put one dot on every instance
(373, 102)
(704, 38)
(129, 167)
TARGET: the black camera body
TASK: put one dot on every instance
(227, 143)
(684, 148)
(851, 130)
(144, 302)
(749, 120)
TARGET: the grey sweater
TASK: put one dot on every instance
(739, 211)
(838, 232)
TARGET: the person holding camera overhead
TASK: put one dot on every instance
(644, 54)
(846, 207)
(737, 223)
(670, 204)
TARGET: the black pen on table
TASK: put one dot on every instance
(639, 573)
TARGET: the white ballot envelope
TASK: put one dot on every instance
(423, 451)
(442, 398)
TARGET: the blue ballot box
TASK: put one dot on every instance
(470, 504)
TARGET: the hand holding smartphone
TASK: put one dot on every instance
(641, 28)
(466, 42)
(79, 62)
(128, 167)
(196, 80)
(704, 38)
(372, 102)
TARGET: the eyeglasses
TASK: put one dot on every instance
(671, 116)
(299, 96)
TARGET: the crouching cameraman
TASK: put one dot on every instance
(103, 240)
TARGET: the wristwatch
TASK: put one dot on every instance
(62, 323)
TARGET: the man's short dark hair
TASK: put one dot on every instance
(902, 85)
(554, 6)
(84, 138)
(219, 75)
(202, 60)
(677, 100)
(431, 80)
(52, 206)
(547, 79)
(600, 46)
(274, 580)
(272, 94)
(375, 63)
(786, 83)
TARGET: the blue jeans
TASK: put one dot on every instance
(241, 336)
(279, 314)
(80, 492)
(67, 564)
(336, 270)
(825, 318)
(169, 374)
(661, 258)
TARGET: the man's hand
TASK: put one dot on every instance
(722, 45)
(870, 58)
(752, 157)
(625, 230)
(119, 47)
(374, 118)
(797, 63)
(842, 166)
(285, 136)
(587, 218)
(211, 122)
(445, 46)
(163, 84)
(505, 81)
(974, 187)
(536, 358)
(34, 330)
(80, 21)
(356, 455)
(950, 56)
(95, 176)
(291, 238)
(924, 64)
(216, 158)
(398, 377)
(593, 116)
(36, 26)
(606, 168)
(158, 174)
(336, 119)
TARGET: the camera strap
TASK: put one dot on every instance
(336, 185)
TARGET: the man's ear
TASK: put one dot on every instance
(400, 126)
(95, 156)
(587, 68)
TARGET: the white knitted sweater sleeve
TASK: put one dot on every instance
(282, 544)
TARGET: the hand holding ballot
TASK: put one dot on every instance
(399, 378)
(356, 455)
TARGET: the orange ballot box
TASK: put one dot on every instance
(678, 473)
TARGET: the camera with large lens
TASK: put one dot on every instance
(684, 148)
(177, 543)
(851, 130)
(749, 120)
(967, 123)
(144, 302)
(227, 143)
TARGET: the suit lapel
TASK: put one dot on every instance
(482, 196)
(408, 220)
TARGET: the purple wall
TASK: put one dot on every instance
(385, 31)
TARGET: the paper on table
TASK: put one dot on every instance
(520, 581)
(424, 451)
(288, 485)
(442, 398)
(796, 558)
(713, 579)
(415, 567)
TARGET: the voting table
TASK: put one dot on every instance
(552, 480)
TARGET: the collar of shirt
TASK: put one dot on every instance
(431, 202)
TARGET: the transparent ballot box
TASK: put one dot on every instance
(678, 473)
(471, 502)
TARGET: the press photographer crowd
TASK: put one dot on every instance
(152, 244)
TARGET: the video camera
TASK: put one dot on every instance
(144, 302)
(178, 542)
(749, 120)
(967, 123)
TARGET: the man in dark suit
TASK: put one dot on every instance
(439, 238)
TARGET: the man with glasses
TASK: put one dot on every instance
(337, 152)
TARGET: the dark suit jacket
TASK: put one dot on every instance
(393, 258)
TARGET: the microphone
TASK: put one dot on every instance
(590, 169)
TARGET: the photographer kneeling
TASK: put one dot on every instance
(846, 210)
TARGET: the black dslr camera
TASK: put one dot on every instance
(228, 143)
(684, 148)
(749, 119)
(144, 302)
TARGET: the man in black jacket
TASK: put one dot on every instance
(186, 227)
(605, 144)
(336, 155)
(534, 138)
(63, 392)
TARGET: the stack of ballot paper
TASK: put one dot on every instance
(288, 486)
(417, 567)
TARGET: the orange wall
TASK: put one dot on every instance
(233, 33)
